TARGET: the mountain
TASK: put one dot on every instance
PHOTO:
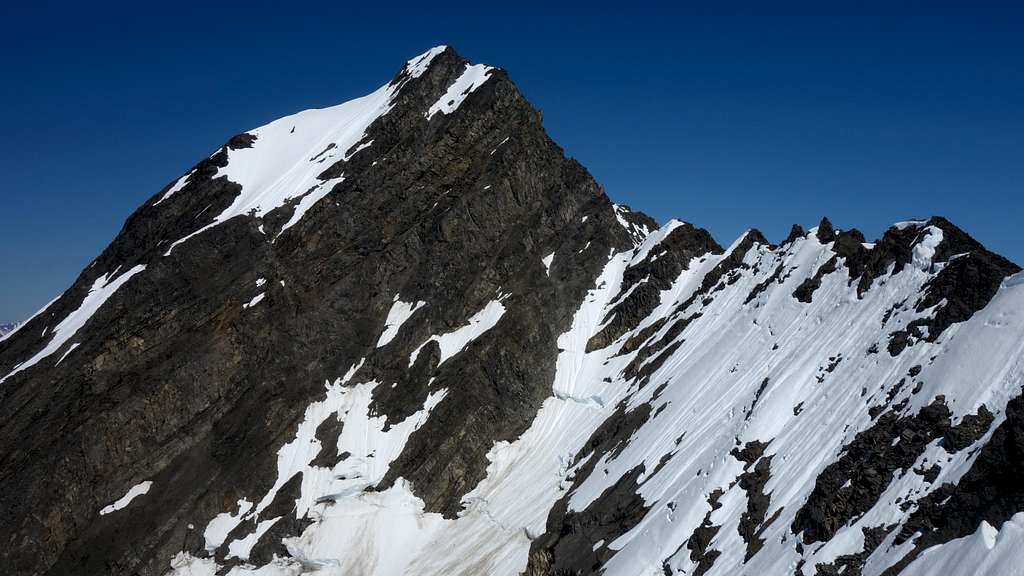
(407, 335)
(6, 329)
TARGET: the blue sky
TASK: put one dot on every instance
(727, 119)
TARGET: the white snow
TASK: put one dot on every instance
(455, 341)
(987, 551)
(222, 525)
(243, 546)
(731, 351)
(924, 250)
(418, 65)
(472, 78)
(290, 153)
(133, 493)
(354, 532)
(909, 224)
(102, 289)
(176, 188)
(255, 300)
(399, 313)
(66, 352)
(547, 260)
(653, 239)
(723, 357)
(637, 232)
(500, 144)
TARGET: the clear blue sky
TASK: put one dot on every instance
(728, 120)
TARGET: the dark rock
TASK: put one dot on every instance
(568, 544)
(826, 233)
(795, 233)
(852, 484)
(990, 491)
(658, 271)
(968, 431)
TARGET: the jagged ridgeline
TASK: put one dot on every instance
(407, 335)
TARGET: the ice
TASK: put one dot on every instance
(133, 493)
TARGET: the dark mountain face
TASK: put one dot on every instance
(406, 334)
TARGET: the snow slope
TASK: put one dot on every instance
(797, 377)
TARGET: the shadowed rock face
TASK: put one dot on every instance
(197, 370)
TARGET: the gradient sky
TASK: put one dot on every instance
(728, 120)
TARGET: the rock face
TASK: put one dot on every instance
(407, 335)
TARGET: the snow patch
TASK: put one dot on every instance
(255, 300)
(472, 78)
(288, 155)
(176, 188)
(924, 250)
(66, 352)
(217, 530)
(399, 313)
(133, 493)
(547, 260)
(455, 341)
(358, 531)
(418, 65)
